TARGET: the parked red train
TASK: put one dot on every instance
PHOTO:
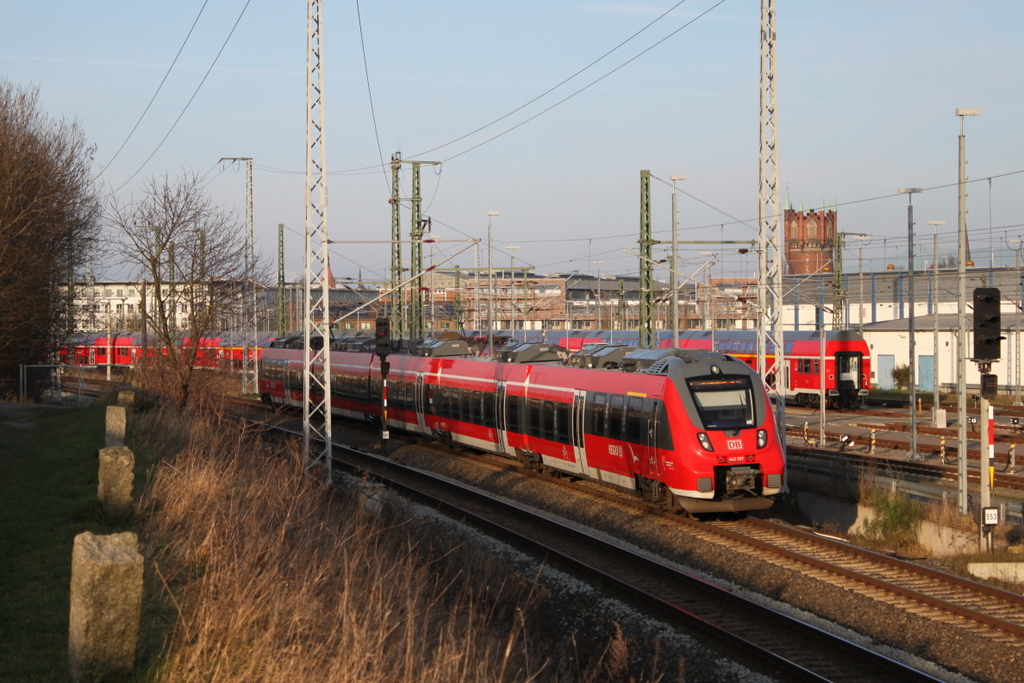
(695, 431)
(125, 349)
(847, 357)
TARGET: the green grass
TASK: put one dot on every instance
(48, 480)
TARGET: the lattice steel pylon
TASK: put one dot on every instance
(397, 291)
(646, 264)
(281, 322)
(249, 332)
(316, 323)
(769, 234)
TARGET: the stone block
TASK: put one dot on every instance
(116, 423)
(117, 477)
(106, 603)
(125, 398)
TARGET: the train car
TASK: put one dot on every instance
(695, 432)
(847, 367)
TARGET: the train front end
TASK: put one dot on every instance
(725, 442)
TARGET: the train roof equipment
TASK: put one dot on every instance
(527, 352)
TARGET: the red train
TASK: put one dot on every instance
(695, 431)
(125, 349)
(847, 357)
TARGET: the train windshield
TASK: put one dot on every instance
(724, 402)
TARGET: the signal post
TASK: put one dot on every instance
(987, 338)
(382, 347)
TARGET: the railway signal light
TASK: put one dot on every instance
(987, 324)
(989, 385)
(383, 337)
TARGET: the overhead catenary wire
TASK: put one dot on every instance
(190, 100)
(157, 92)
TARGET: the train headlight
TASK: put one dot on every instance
(762, 438)
(704, 441)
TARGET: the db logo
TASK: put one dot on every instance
(734, 444)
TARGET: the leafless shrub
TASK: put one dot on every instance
(190, 255)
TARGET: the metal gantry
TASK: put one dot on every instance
(416, 325)
(769, 235)
(316, 332)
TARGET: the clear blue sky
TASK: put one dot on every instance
(867, 92)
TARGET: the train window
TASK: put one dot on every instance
(536, 417)
(635, 422)
(662, 427)
(598, 407)
(512, 422)
(477, 407)
(814, 367)
(442, 401)
(562, 422)
(615, 417)
(723, 402)
(548, 420)
(487, 399)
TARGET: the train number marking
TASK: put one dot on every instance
(615, 450)
(734, 444)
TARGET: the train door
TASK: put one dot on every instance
(579, 411)
(847, 372)
(500, 419)
(653, 407)
(420, 403)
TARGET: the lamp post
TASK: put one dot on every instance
(910, 192)
(597, 316)
(961, 269)
(512, 289)
(490, 286)
(673, 284)
(936, 416)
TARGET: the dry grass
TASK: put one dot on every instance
(275, 577)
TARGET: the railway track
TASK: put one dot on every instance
(942, 597)
(757, 636)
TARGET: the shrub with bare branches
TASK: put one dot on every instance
(190, 255)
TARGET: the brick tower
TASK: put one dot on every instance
(810, 239)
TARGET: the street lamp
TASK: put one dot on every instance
(673, 284)
(597, 317)
(936, 417)
(961, 359)
(910, 192)
(512, 289)
(490, 286)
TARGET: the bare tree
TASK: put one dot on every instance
(190, 255)
(49, 215)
